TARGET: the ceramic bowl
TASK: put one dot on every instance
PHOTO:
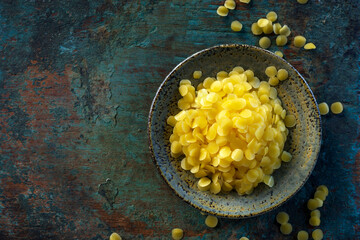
(303, 142)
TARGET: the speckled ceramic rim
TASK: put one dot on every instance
(235, 46)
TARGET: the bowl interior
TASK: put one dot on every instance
(303, 141)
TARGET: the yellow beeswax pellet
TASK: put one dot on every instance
(197, 74)
(302, 235)
(302, 1)
(204, 182)
(317, 234)
(276, 28)
(176, 147)
(282, 218)
(281, 40)
(268, 28)
(237, 155)
(309, 46)
(290, 121)
(216, 86)
(314, 221)
(185, 82)
(285, 30)
(282, 74)
(323, 188)
(230, 4)
(211, 221)
(323, 108)
(183, 90)
(244, 238)
(314, 203)
(262, 22)
(177, 233)
(222, 11)
(271, 71)
(238, 69)
(264, 42)
(269, 180)
(315, 213)
(272, 16)
(279, 53)
(221, 75)
(245, 1)
(299, 41)
(255, 29)
(208, 81)
(224, 152)
(115, 236)
(336, 107)
(320, 194)
(286, 156)
(286, 228)
(215, 187)
(273, 81)
(236, 26)
(171, 121)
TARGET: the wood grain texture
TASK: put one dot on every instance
(76, 82)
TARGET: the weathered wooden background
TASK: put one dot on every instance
(76, 82)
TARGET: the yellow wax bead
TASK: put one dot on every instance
(319, 202)
(273, 93)
(215, 187)
(286, 156)
(285, 30)
(252, 175)
(323, 188)
(222, 11)
(237, 155)
(255, 82)
(185, 82)
(315, 213)
(324, 108)
(271, 71)
(245, 1)
(290, 121)
(255, 29)
(309, 46)
(336, 107)
(183, 105)
(115, 236)
(238, 69)
(176, 147)
(314, 203)
(264, 42)
(249, 74)
(211, 221)
(276, 28)
(317, 234)
(264, 98)
(320, 194)
(236, 26)
(273, 81)
(299, 41)
(224, 152)
(262, 22)
(221, 75)
(246, 113)
(272, 16)
(208, 81)
(269, 180)
(177, 233)
(183, 90)
(216, 86)
(230, 4)
(302, 1)
(281, 40)
(279, 53)
(197, 74)
(286, 228)
(314, 221)
(171, 121)
(282, 218)
(282, 74)
(243, 238)
(212, 148)
(204, 182)
(234, 104)
(268, 28)
(249, 155)
(228, 87)
(302, 235)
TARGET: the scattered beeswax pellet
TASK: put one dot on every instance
(272, 16)
(317, 234)
(286, 228)
(276, 28)
(273, 81)
(269, 180)
(171, 121)
(290, 121)
(264, 42)
(183, 90)
(282, 74)
(271, 71)
(323, 108)
(211, 221)
(282, 217)
(302, 1)
(262, 22)
(185, 82)
(255, 29)
(268, 28)
(115, 236)
(243, 238)
(302, 235)
(197, 74)
(320, 194)
(315, 213)
(319, 202)
(336, 107)
(279, 53)
(286, 156)
(281, 40)
(238, 69)
(230, 4)
(314, 204)
(309, 46)
(221, 75)
(204, 182)
(299, 41)
(314, 221)
(222, 11)
(236, 26)
(177, 233)
(245, 1)
(285, 30)
(237, 155)
(323, 188)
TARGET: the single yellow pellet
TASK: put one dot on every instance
(255, 29)
(279, 53)
(271, 71)
(302, 1)
(323, 188)
(285, 30)
(286, 156)
(216, 86)
(323, 108)
(272, 16)
(245, 1)
(244, 238)
(286, 228)
(336, 107)
(236, 26)
(282, 218)
(185, 82)
(317, 234)
(281, 40)
(197, 74)
(276, 28)
(314, 221)
(302, 235)
(268, 28)
(309, 46)
(224, 152)
(315, 213)
(290, 121)
(282, 74)
(115, 236)
(262, 22)
(221, 75)
(230, 4)
(183, 90)
(211, 221)
(249, 74)
(264, 42)
(176, 147)
(314, 204)
(177, 233)
(237, 155)
(269, 180)
(320, 194)
(222, 11)
(238, 69)
(171, 121)
(273, 81)
(215, 187)
(299, 41)
(204, 182)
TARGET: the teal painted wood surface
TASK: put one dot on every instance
(76, 82)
